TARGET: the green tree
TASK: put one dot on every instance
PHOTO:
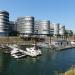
(68, 33)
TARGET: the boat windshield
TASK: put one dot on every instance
(19, 53)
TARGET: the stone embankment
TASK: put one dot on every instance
(69, 72)
(14, 40)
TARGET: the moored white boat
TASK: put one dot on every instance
(33, 52)
(16, 52)
(18, 55)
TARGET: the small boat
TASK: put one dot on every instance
(16, 52)
(33, 51)
(18, 55)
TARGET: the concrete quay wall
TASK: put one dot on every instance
(14, 40)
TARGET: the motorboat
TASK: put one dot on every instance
(33, 51)
(16, 52)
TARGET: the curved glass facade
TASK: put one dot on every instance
(25, 25)
(44, 27)
(4, 23)
(56, 29)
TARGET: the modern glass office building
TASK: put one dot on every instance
(28, 26)
(4, 23)
(44, 27)
(56, 28)
(25, 26)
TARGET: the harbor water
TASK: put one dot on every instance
(49, 63)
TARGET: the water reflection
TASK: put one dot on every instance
(1, 62)
(29, 60)
(4, 60)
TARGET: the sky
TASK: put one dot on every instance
(57, 11)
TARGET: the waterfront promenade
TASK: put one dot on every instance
(20, 41)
